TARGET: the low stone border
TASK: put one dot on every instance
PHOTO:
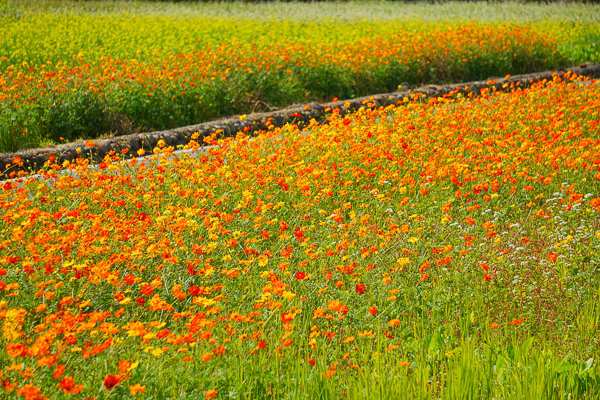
(34, 159)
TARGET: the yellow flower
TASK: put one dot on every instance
(288, 295)
(157, 352)
(403, 260)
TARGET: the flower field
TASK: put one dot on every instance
(70, 71)
(438, 249)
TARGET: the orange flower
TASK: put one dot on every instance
(137, 388)
(31, 392)
(124, 365)
(334, 305)
(211, 394)
(58, 371)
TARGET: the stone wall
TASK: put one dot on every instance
(34, 159)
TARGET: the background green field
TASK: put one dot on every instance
(63, 36)
(56, 30)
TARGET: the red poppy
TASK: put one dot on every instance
(300, 275)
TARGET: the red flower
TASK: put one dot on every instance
(282, 226)
(141, 301)
(147, 289)
(287, 317)
(7, 186)
(286, 252)
(112, 380)
(361, 289)
(69, 386)
(552, 257)
(299, 233)
(373, 310)
(516, 322)
(300, 275)
(194, 290)
(59, 370)
(487, 277)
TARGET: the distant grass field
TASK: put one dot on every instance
(445, 249)
(79, 70)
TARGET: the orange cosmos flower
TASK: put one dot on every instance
(137, 388)
(31, 392)
(334, 305)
